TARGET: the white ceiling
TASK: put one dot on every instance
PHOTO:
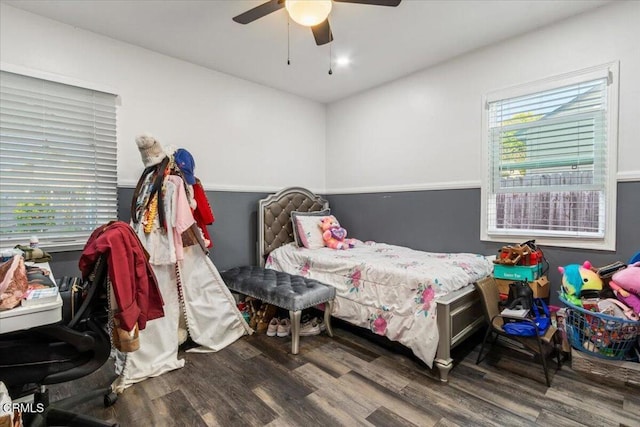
(384, 43)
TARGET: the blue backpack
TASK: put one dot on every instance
(526, 328)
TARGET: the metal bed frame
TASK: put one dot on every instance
(459, 314)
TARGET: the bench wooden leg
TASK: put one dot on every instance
(328, 309)
(295, 330)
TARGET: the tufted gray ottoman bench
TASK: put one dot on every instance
(293, 293)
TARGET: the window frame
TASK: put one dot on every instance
(63, 244)
(606, 242)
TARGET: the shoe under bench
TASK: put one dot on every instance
(284, 290)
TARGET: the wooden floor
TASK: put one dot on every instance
(348, 380)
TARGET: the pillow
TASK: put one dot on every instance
(306, 231)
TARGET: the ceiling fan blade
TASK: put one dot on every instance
(322, 32)
(392, 3)
(259, 11)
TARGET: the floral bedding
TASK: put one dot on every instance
(389, 289)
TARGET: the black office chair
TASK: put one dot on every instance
(51, 354)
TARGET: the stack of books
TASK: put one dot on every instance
(40, 296)
(42, 289)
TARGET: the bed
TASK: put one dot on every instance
(426, 301)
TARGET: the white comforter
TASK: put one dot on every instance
(389, 289)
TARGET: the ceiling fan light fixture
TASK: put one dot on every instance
(308, 12)
(343, 61)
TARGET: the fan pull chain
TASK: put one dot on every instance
(330, 70)
(288, 41)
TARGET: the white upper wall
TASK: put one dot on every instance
(241, 134)
(424, 131)
(419, 132)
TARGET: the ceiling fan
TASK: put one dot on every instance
(321, 30)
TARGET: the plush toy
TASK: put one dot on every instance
(626, 286)
(578, 278)
(629, 278)
(629, 299)
(334, 236)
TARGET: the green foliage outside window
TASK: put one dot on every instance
(34, 217)
(514, 149)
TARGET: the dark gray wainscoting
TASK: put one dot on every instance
(449, 221)
(436, 221)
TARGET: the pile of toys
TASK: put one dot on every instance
(526, 253)
(523, 262)
(603, 308)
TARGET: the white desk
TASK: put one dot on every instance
(36, 315)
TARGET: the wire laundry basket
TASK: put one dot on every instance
(599, 334)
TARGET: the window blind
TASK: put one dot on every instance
(548, 160)
(57, 161)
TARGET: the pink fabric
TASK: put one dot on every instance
(309, 232)
(302, 235)
(627, 298)
(14, 283)
(182, 218)
(629, 278)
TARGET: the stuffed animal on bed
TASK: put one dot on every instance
(334, 236)
(578, 278)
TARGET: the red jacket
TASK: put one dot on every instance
(134, 283)
(202, 213)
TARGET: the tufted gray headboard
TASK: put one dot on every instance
(274, 217)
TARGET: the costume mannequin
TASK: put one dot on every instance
(191, 287)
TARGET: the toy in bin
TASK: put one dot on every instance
(600, 333)
(626, 286)
(629, 278)
(577, 280)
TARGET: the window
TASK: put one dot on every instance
(550, 156)
(57, 162)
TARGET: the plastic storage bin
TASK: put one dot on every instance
(598, 334)
(517, 272)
